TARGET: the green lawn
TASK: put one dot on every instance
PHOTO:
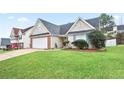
(1, 51)
(66, 64)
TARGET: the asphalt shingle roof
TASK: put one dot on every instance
(16, 31)
(62, 29)
(59, 29)
(54, 29)
(26, 29)
(94, 22)
(120, 27)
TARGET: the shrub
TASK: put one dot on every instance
(80, 43)
(65, 43)
(97, 39)
(56, 46)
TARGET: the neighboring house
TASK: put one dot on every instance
(120, 28)
(26, 37)
(47, 35)
(116, 29)
(20, 38)
(4, 43)
(115, 36)
(16, 38)
(120, 34)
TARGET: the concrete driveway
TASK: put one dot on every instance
(16, 53)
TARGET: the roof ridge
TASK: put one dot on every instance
(47, 21)
(67, 23)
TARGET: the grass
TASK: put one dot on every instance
(1, 51)
(66, 64)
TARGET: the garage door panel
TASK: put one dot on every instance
(40, 42)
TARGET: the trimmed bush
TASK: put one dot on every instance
(81, 44)
(97, 39)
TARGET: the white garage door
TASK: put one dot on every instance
(39, 42)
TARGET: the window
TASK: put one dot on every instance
(20, 36)
(80, 37)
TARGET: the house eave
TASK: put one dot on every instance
(81, 31)
(40, 35)
(61, 35)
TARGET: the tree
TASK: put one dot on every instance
(97, 39)
(106, 22)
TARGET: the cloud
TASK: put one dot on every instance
(3, 13)
(11, 17)
(23, 19)
(117, 19)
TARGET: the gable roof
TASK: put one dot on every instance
(94, 22)
(54, 29)
(16, 31)
(62, 29)
(84, 21)
(59, 29)
(5, 41)
(65, 27)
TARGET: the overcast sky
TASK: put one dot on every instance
(24, 20)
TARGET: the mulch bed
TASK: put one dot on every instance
(87, 50)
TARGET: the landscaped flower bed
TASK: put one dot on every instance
(88, 50)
